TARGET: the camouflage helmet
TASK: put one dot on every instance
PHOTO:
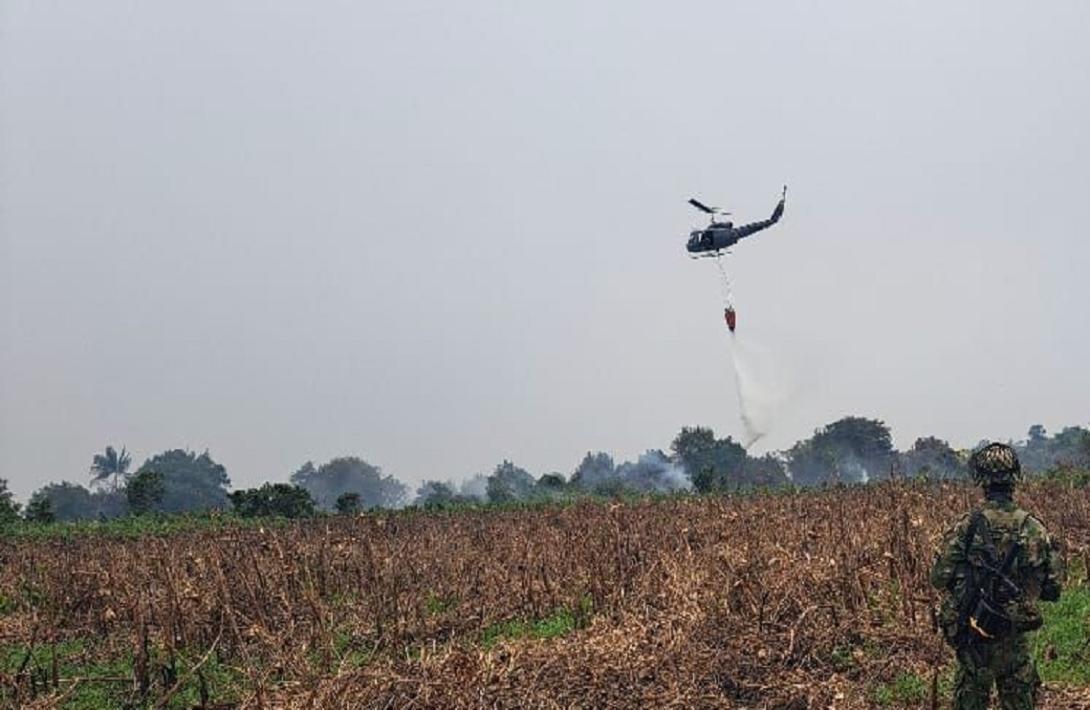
(995, 464)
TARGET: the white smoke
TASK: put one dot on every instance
(852, 470)
(652, 472)
(475, 487)
(655, 471)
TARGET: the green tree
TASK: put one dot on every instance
(436, 494)
(144, 492)
(509, 483)
(932, 457)
(273, 499)
(348, 504)
(611, 488)
(1036, 453)
(1071, 447)
(70, 501)
(552, 482)
(1040, 453)
(349, 474)
(39, 509)
(694, 447)
(305, 472)
(766, 470)
(110, 464)
(190, 482)
(849, 450)
(593, 470)
(713, 464)
(810, 463)
(9, 509)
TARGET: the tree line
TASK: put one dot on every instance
(849, 450)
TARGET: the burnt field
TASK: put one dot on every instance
(797, 600)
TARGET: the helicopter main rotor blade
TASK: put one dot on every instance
(701, 206)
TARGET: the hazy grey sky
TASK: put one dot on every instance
(441, 234)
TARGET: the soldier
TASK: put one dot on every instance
(995, 564)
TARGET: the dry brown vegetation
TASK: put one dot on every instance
(802, 600)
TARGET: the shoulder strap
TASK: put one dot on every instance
(1005, 568)
(970, 532)
(1021, 516)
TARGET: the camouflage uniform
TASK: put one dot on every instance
(1004, 662)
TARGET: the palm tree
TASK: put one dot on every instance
(110, 464)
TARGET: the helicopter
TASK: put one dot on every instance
(720, 235)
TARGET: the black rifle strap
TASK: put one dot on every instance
(970, 533)
(1009, 559)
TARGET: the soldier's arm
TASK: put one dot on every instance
(951, 554)
(1046, 558)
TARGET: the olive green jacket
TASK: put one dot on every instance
(1036, 569)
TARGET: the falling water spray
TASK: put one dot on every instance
(748, 394)
(762, 388)
(757, 377)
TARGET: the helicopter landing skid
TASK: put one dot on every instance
(711, 254)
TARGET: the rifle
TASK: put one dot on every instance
(981, 616)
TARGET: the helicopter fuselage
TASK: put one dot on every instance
(715, 237)
(718, 236)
